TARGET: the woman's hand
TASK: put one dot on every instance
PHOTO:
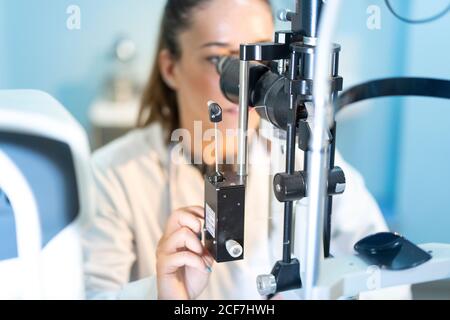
(183, 265)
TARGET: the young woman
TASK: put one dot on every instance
(143, 239)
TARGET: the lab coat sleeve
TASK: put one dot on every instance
(355, 213)
(108, 244)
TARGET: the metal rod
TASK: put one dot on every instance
(290, 161)
(329, 200)
(307, 14)
(318, 174)
(243, 117)
(217, 146)
(289, 206)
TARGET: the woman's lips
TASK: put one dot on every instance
(232, 111)
(235, 111)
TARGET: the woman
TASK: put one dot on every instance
(143, 240)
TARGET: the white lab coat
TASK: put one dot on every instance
(137, 189)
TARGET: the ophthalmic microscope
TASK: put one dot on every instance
(294, 84)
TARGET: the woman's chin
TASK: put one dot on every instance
(230, 125)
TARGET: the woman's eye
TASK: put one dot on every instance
(213, 59)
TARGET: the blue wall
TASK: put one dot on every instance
(72, 65)
(423, 194)
(367, 133)
(2, 46)
(402, 146)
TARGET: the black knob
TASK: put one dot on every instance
(215, 112)
(336, 181)
(290, 187)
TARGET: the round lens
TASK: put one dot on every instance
(379, 241)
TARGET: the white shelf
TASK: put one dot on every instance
(114, 115)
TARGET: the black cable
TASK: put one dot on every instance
(418, 21)
(392, 87)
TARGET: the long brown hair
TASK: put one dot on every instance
(159, 101)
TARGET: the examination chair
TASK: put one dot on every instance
(44, 197)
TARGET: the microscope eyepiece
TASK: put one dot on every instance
(222, 62)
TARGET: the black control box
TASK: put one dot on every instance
(224, 217)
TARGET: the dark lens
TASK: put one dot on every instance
(379, 240)
(391, 251)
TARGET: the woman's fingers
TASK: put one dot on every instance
(208, 258)
(171, 263)
(180, 248)
(182, 238)
(187, 217)
(196, 210)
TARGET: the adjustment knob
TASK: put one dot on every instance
(266, 284)
(234, 248)
(336, 181)
(290, 187)
(285, 15)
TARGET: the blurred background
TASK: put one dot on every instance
(97, 69)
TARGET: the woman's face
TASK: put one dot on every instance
(218, 29)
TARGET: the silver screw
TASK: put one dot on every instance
(278, 188)
(266, 284)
